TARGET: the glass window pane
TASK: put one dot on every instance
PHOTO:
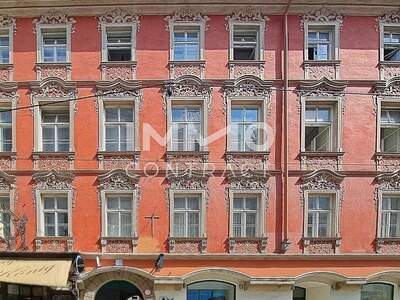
(62, 203)
(377, 291)
(178, 114)
(49, 203)
(126, 114)
(126, 203)
(251, 114)
(112, 203)
(193, 203)
(251, 203)
(112, 224)
(311, 114)
(238, 203)
(111, 114)
(324, 202)
(126, 219)
(179, 203)
(194, 114)
(5, 116)
(323, 114)
(237, 115)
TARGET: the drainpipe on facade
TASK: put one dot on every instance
(285, 215)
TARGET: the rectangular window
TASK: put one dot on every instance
(390, 130)
(390, 217)
(320, 216)
(4, 46)
(119, 43)
(55, 130)
(391, 44)
(245, 128)
(320, 44)
(186, 216)
(318, 128)
(119, 128)
(5, 216)
(245, 216)
(246, 42)
(54, 45)
(119, 215)
(55, 215)
(5, 131)
(186, 43)
(186, 128)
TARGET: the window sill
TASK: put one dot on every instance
(322, 245)
(187, 62)
(109, 160)
(389, 62)
(119, 63)
(248, 62)
(186, 153)
(53, 64)
(322, 62)
(118, 244)
(387, 245)
(8, 154)
(54, 244)
(321, 153)
(118, 153)
(187, 245)
(6, 66)
(247, 245)
(53, 153)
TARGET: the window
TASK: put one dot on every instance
(320, 44)
(318, 128)
(55, 130)
(391, 44)
(390, 130)
(53, 45)
(245, 216)
(246, 42)
(390, 217)
(186, 216)
(5, 216)
(245, 127)
(186, 128)
(320, 215)
(119, 215)
(377, 291)
(119, 43)
(55, 215)
(211, 290)
(119, 128)
(186, 43)
(5, 46)
(5, 130)
(299, 293)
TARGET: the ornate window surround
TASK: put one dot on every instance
(248, 90)
(118, 181)
(8, 23)
(322, 17)
(328, 92)
(188, 182)
(248, 182)
(187, 90)
(8, 188)
(322, 182)
(53, 182)
(387, 69)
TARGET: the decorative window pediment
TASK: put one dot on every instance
(390, 18)
(7, 181)
(52, 88)
(189, 88)
(247, 16)
(188, 179)
(54, 18)
(8, 21)
(387, 182)
(322, 16)
(119, 16)
(186, 16)
(390, 87)
(248, 180)
(322, 88)
(118, 179)
(53, 181)
(8, 91)
(120, 89)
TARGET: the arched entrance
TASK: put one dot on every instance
(118, 290)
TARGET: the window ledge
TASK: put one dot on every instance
(53, 154)
(187, 62)
(118, 244)
(8, 154)
(322, 62)
(119, 63)
(187, 153)
(119, 238)
(187, 245)
(38, 64)
(321, 245)
(54, 243)
(245, 245)
(246, 62)
(109, 160)
(321, 153)
(390, 62)
(118, 153)
(6, 66)
(388, 154)
(54, 238)
(247, 153)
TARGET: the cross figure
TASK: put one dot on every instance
(152, 218)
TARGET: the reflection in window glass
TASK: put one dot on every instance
(211, 290)
(377, 291)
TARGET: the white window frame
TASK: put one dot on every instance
(336, 123)
(104, 49)
(179, 101)
(39, 44)
(335, 232)
(384, 103)
(103, 196)
(11, 196)
(174, 24)
(259, 222)
(40, 211)
(261, 38)
(10, 34)
(382, 27)
(202, 194)
(102, 104)
(11, 105)
(261, 230)
(325, 26)
(38, 142)
(263, 113)
(381, 194)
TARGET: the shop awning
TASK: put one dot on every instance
(50, 272)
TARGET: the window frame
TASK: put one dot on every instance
(11, 105)
(39, 42)
(259, 56)
(202, 213)
(173, 24)
(385, 103)
(104, 198)
(10, 35)
(40, 194)
(211, 280)
(117, 102)
(336, 123)
(104, 49)
(381, 194)
(382, 26)
(259, 221)
(383, 283)
(11, 198)
(333, 27)
(335, 222)
(261, 230)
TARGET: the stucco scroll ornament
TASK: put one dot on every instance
(7, 182)
(7, 21)
(386, 183)
(119, 16)
(247, 15)
(53, 18)
(186, 15)
(8, 91)
(118, 179)
(390, 18)
(322, 180)
(323, 15)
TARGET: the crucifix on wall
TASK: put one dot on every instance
(152, 219)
